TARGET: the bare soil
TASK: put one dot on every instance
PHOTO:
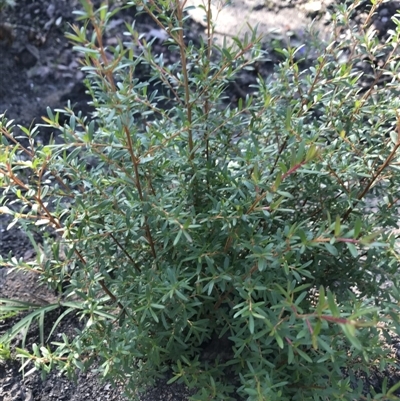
(38, 69)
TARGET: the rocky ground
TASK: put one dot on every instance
(38, 69)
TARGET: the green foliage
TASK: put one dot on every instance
(179, 220)
(7, 3)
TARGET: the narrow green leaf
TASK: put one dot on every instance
(393, 388)
(290, 355)
(394, 137)
(279, 340)
(384, 385)
(337, 226)
(60, 318)
(357, 227)
(157, 306)
(288, 119)
(153, 315)
(352, 249)
(331, 249)
(321, 301)
(178, 237)
(332, 304)
(251, 324)
(349, 331)
(304, 355)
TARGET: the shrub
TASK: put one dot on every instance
(249, 249)
(7, 3)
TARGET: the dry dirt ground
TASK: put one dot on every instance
(38, 69)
